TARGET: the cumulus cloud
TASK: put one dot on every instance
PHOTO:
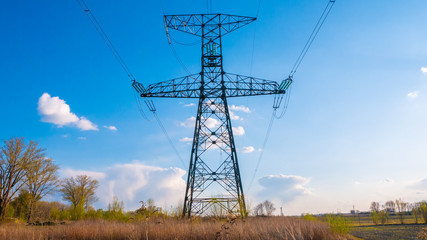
(413, 94)
(233, 116)
(112, 128)
(188, 123)
(57, 111)
(186, 139)
(283, 187)
(240, 108)
(134, 182)
(212, 123)
(209, 123)
(189, 105)
(248, 149)
(238, 131)
(424, 69)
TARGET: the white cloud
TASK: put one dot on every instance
(413, 94)
(233, 116)
(238, 131)
(188, 123)
(186, 139)
(209, 123)
(57, 111)
(85, 124)
(240, 108)
(112, 128)
(189, 105)
(424, 69)
(69, 172)
(283, 187)
(212, 123)
(248, 149)
(134, 182)
(420, 184)
(81, 138)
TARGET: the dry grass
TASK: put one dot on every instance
(252, 228)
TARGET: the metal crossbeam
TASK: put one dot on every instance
(203, 24)
(190, 87)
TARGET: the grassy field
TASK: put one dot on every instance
(389, 232)
(366, 220)
(251, 228)
(364, 228)
(295, 228)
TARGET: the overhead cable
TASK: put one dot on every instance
(123, 64)
(106, 39)
(267, 136)
(313, 35)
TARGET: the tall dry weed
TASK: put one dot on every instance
(251, 228)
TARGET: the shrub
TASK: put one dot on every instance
(423, 209)
(309, 217)
(77, 212)
(338, 223)
(94, 214)
(375, 217)
(383, 216)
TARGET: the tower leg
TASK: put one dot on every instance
(214, 184)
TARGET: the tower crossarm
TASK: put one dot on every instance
(242, 86)
(184, 87)
(194, 23)
(192, 87)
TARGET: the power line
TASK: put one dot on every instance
(253, 39)
(313, 35)
(285, 104)
(169, 139)
(106, 39)
(123, 64)
(267, 135)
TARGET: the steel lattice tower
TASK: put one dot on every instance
(212, 185)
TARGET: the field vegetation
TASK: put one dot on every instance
(27, 176)
(170, 228)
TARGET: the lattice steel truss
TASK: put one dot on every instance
(213, 187)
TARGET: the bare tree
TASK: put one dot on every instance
(401, 209)
(423, 210)
(15, 157)
(415, 210)
(79, 190)
(390, 206)
(259, 210)
(375, 206)
(269, 207)
(42, 179)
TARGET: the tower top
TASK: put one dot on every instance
(203, 25)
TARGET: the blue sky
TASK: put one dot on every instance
(355, 130)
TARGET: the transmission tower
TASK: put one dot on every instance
(213, 186)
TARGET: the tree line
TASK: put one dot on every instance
(380, 214)
(27, 175)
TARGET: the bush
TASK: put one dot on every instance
(77, 212)
(375, 217)
(338, 223)
(309, 217)
(94, 214)
(423, 209)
